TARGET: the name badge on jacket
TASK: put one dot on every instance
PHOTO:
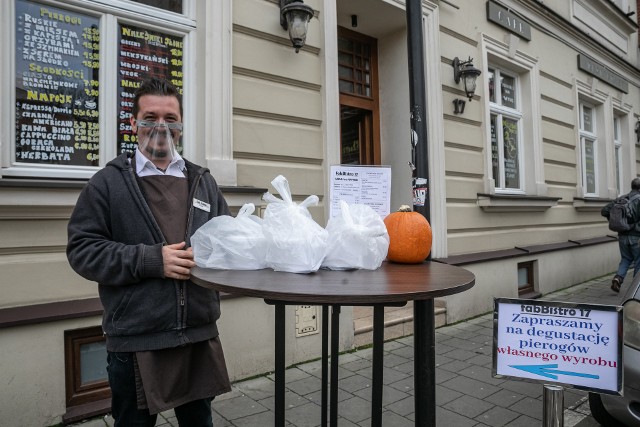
(201, 205)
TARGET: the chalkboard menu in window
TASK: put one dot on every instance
(57, 89)
(508, 91)
(590, 166)
(142, 54)
(491, 77)
(494, 151)
(587, 124)
(511, 165)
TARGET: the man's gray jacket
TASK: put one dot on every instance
(114, 240)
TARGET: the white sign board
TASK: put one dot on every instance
(364, 185)
(579, 345)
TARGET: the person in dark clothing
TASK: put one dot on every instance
(628, 241)
(130, 232)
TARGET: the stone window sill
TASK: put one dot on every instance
(592, 204)
(515, 203)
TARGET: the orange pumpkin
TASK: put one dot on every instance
(410, 236)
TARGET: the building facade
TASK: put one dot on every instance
(518, 170)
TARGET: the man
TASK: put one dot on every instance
(130, 232)
(628, 240)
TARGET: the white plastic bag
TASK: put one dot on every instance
(295, 242)
(358, 239)
(229, 243)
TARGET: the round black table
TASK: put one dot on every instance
(391, 284)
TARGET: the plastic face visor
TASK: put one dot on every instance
(156, 140)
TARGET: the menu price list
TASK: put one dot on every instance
(143, 54)
(57, 86)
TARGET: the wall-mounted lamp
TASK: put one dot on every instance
(637, 131)
(458, 106)
(469, 74)
(295, 17)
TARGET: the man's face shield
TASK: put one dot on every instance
(156, 139)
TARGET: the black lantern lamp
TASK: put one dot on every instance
(295, 17)
(469, 74)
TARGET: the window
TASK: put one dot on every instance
(85, 354)
(70, 62)
(359, 112)
(513, 131)
(506, 139)
(525, 279)
(588, 149)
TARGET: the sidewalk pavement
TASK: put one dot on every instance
(466, 393)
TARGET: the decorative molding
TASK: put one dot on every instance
(556, 102)
(555, 79)
(276, 117)
(276, 79)
(276, 158)
(241, 29)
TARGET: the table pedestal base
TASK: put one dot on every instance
(424, 363)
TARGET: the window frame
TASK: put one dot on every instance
(501, 113)
(533, 188)
(111, 13)
(372, 153)
(77, 394)
(588, 136)
(529, 287)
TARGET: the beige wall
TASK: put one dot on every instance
(281, 124)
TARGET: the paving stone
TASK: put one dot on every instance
(443, 349)
(354, 383)
(305, 386)
(454, 366)
(357, 365)
(528, 406)
(239, 407)
(497, 416)
(445, 417)
(291, 400)
(471, 387)
(443, 375)
(389, 394)
(403, 407)
(445, 395)
(393, 360)
(459, 354)
(468, 406)
(303, 416)
(404, 351)
(405, 385)
(406, 368)
(524, 421)
(504, 398)
(481, 373)
(355, 409)
(523, 387)
(257, 388)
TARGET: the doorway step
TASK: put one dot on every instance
(398, 322)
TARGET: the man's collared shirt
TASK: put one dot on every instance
(145, 167)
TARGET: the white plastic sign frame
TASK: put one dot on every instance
(575, 345)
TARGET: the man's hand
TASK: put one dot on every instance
(177, 261)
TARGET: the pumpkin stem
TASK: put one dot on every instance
(404, 208)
